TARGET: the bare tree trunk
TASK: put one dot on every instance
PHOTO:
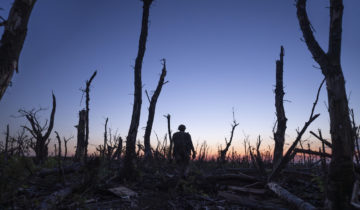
(87, 90)
(228, 143)
(105, 138)
(341, 173)
(170, 136)
(7, 142)
(80, 146)
(152, 107)
(279, 135)
(12, 40)
(128, 169)
(65, 145)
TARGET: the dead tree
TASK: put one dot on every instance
(42, 139)
(12, 40)
(290, 154)
(152, 107)
(87, 91)
(105, 138)
(279, 135)
(80, 146)
(65, 146)
(341, 173)
(228, 143)
(170, 136)
(7, 142)
(128, 170)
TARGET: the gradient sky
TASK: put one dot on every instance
(220, 54)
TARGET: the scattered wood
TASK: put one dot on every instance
(247, 190)
(290, 198)
(246, 201)
(122, 191)
(55, 198)
(69, 169)
(319, 137)
(238, 176)
(311, 152)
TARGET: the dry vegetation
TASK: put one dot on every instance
(136, 176)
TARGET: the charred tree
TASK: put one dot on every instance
(7, 142)
(87, 91)
(105, 138)
(80, 146)
(341, 172)
(228, 143)
(170, 136)
(279, 135)
(152, 107)
(12, 40)
(128, 169)
(42, 139)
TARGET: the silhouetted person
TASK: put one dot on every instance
(182, 149)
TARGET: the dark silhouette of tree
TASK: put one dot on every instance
(87, 91)
(12, 40)
(279, 135)
(341, 171)
(80, 145)
(152, 107)
(228, 143)
(128, 170)
(170, 136)
(37, 131)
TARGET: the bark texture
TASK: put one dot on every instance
(12, 40)
(152, 107)
(341, 173)
(279, 135)
(128, 170)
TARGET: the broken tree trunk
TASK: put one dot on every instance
(36, 130)
(293, 200)
(324, 141)
(290, 154)
(128, 169)
(80, 146)
(105, 139)
(7, 142)
(228, 143)
(341, 173)
(12, 40)
(87, 91)
(170, 136)
(279, 135)
(152, 107)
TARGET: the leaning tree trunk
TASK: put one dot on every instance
(12, 40)
(128, 169)
(341, 173)
(152, 107)
(279, 135)
(87, 91)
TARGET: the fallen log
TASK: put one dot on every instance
(311, 152)
(69, 169)
(290, 198)
(247, 190)
(55, 198)
(239, 176)
(246, 201)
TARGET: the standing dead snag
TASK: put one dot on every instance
(135, 117)
(341, 173)
(80, 146)
(152, 107)
(228, 143)
(87, 90)
(105, 139)
(290, 154)
(12, 40)
(42, 140)
(170, 136)
(279, 135)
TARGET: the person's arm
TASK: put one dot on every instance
(192, 147)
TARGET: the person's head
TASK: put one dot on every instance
(181, 127)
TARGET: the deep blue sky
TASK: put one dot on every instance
(220, 54)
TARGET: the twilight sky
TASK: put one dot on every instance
(220, 54)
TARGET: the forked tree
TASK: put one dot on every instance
(279, 134)
(40, 133)
(341, 171)
(12, 40)
(128, 170)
